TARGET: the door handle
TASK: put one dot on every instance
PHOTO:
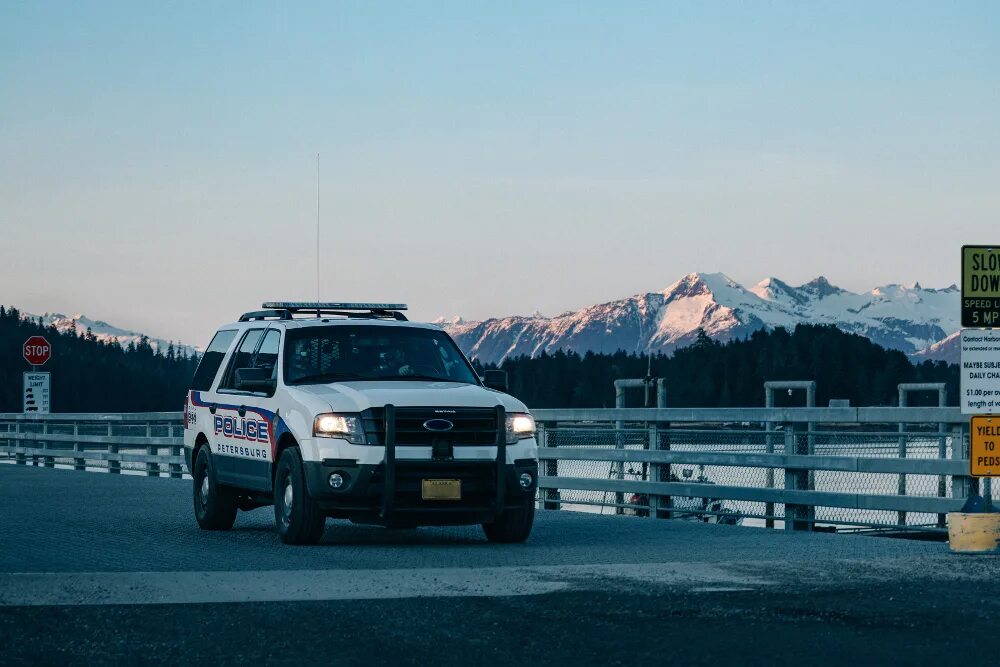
(211, 408)
(242, 411)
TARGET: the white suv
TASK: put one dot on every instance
(354, 412)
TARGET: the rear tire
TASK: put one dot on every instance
(214, 504)
(297, 516)
(512, 525)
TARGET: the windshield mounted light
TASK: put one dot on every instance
(520, 426)
(332, 425)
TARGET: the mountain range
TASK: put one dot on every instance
(105, 332)
(921, 322)
(918, 321)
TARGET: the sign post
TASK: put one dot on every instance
(980, 379)
(36, 390)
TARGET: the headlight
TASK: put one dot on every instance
(520, 425)
(332, 425)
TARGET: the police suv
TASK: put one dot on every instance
(348, 410)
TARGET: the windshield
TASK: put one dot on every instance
(318, 355)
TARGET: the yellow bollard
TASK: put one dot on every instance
(973, 533)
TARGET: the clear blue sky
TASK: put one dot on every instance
(157, 160)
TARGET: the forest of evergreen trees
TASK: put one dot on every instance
(712, 374)
(89, 375)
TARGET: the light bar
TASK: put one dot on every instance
(328, 305)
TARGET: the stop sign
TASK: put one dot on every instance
(37, 350)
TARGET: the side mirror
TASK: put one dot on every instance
(495, 379)
(254, 379)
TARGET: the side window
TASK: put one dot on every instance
(241, 357)
(211, 360)
(267, 353)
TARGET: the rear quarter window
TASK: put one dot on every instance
(212, 360)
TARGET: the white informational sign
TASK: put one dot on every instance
(980, 386)
(36, 393)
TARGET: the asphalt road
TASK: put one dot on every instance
(102, 569)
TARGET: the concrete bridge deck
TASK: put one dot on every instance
(109, 568)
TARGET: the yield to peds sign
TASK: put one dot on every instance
(984, 446)
(36, 350)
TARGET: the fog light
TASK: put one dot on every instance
(526, 479)
(336, 480)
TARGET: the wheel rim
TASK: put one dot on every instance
(287, 497)
(203, 493)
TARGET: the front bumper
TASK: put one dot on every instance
(389, 492)
(363, 494)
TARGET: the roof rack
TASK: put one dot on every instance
(286, 310)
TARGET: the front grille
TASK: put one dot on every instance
(473, 426)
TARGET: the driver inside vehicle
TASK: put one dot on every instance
(394, 361)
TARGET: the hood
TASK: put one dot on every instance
(361, 395)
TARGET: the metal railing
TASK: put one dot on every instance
(900, 468)
(147, 442)
(803, 467)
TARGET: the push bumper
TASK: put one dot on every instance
(390, 493)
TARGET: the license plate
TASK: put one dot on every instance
(441, 489)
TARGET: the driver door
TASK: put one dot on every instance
(244, 418)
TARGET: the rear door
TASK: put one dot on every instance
(199, 415)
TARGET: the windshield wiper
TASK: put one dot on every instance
(416, 376)
(324, 377)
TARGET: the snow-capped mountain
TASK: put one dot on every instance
(906, 318)
(947, 349)
(104, 331)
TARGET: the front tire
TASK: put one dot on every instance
(512, 525)
(214, 504)
(297, 516)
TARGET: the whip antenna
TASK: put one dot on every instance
(317, 226)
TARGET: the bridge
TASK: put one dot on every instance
(98, 567)
(867, 468)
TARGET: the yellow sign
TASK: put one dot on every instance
(984, 446)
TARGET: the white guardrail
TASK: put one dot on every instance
(901, 468)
